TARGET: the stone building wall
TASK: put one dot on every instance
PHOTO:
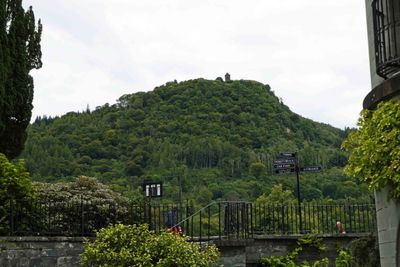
(388, 222)
(387, 211)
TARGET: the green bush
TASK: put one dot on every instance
(290, 260)
(15, 188)
(360, 252)
(82, 188)
(375, 148)
(101, 204)
(132, 245)
(365, 251)
(344, 258)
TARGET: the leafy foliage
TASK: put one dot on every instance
(15, 187)
(132, 245)
(101, 204)
(344, 258)
(20, 52)
(312, 241)
(275, 261)
(277, 196)
(83, 188)
(360, 252)
(257, 169)
(290, 260)
(365, 251)
(375, 148)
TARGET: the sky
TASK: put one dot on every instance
(313, 53)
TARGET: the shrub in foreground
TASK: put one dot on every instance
(136, 245)
(15, 188)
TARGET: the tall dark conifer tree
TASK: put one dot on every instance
(20, 52)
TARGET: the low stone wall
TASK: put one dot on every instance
(248, 253)
(64, 251)
(40, 251)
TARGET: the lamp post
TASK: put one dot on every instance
(180, 196)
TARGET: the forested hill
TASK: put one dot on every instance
(218, 138)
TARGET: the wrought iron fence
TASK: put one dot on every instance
(72, 218)
(218, 220)
(316, 219)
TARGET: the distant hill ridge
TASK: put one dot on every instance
(210, 130)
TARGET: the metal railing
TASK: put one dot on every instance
(386, 19)
(218, 220)
(71, 218)
(316, 219)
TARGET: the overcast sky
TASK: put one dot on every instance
(312, 53)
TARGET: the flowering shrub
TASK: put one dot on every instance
(136, 245)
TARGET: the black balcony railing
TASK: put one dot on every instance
(386, 18)
(218, 220)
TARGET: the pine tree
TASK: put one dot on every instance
(20, 52)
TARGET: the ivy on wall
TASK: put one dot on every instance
(375, 148)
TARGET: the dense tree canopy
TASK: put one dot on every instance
(20, 52)
(208, 136)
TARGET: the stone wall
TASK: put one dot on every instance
(40, 251)
(248, 253)
(64, 251)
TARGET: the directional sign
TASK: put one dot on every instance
(288, 155)
(284, 161)
(311, 169)
(282, 171)
(284, 166)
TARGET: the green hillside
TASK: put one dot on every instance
(218, 139)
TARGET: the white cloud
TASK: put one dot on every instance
(313, 53)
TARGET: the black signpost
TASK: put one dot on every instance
(288, 163)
